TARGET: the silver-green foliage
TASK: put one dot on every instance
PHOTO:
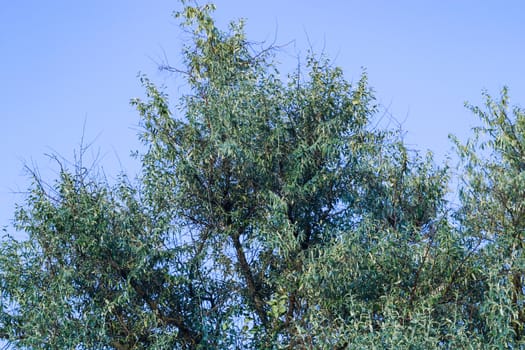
(272, 214)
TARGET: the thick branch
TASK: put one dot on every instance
(519, 319)
(253, 290)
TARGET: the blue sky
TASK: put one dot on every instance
(64, 63)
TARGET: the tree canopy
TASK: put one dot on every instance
(272, 212)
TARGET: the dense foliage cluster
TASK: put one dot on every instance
(270, 213)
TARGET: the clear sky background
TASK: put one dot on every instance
(63, 63)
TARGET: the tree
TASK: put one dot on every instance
(492, 215)
(270, 214)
